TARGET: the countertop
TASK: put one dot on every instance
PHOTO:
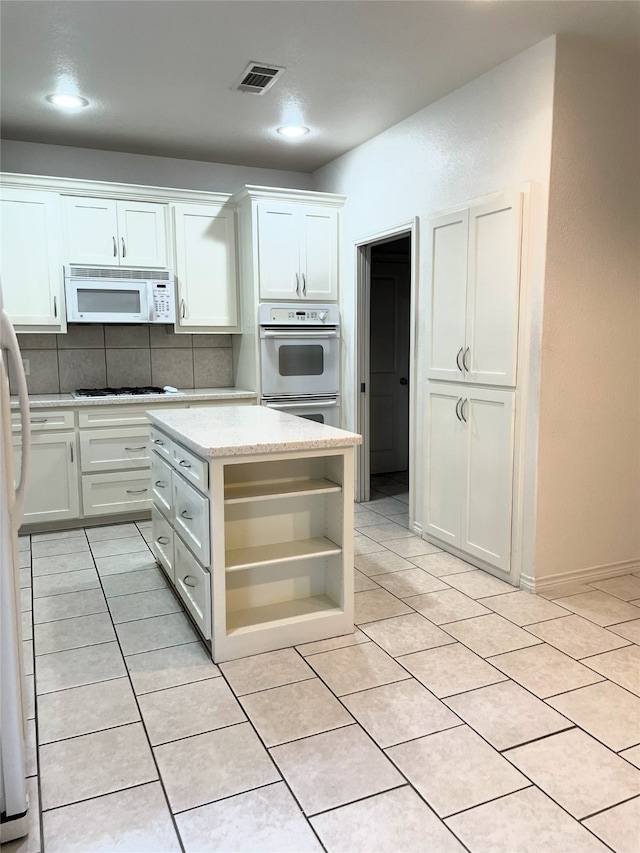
(54, 401)
(247, 430)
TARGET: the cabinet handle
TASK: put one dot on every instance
(184, 464)
(136, 491)
(186, 582)
(124, 248)
(183, 309)
(158, 441)
(133, 449)
(462, 409)
(459, 400)
(464, 358)
(38, 420)
(460, 351)
(55, 306)
(297, 285)
(163, 540)
(71, 450)
(161, 484)
(115, 248)
(184, 515)
(304, 284)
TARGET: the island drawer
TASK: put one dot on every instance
(194, 469)
(161, 444)
(193, 584)
(162, 541)
(191, 518)
(161, 489)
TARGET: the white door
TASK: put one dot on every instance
(318, 231)
(30, 259)
(92, 231)
(493, 291)
(278, 251)
(206, 267)
(52, 489)
(446, 432)
(486, 516)
(448, 236)
(389, 367)
(142, 234)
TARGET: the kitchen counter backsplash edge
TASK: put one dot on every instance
(54, 401)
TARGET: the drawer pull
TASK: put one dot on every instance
(163, 540)
(133, 449)
(184, 515)
(184, 463)
(185, 581)
(136, 491)
(158, 441)
(39, 420)
(161, 484)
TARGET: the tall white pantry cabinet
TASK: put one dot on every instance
(472, 371)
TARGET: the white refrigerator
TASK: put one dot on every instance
(13, 792)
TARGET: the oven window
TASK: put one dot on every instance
(92, 301)
(301, 360)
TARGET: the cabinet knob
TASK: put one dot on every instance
(464, 359)
(185, 514)
(185, 580)
(163, 540)
(460, 351)
(115, 248)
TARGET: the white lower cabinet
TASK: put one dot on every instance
(52, 491)
(470, 470)
(193, 584)
(114, 492)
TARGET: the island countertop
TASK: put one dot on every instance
(247, 430)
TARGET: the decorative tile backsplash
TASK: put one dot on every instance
(95, 356)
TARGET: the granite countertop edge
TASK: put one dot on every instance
(65, 401)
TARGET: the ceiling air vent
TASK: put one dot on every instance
(257, 78)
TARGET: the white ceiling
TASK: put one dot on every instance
(158, 74)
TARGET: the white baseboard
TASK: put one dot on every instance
(594, 573)
(417, 529)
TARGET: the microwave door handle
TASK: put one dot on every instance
(150, 303)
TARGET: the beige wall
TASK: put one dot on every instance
(588, 505)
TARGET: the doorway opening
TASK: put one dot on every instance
(385, 356)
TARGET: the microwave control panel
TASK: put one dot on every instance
(163, 302)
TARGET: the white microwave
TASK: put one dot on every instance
(118, 295)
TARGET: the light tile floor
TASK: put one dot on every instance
(461, 715)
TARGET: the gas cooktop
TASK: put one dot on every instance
(143, 391)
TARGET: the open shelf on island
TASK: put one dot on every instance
(252, 618)
(280, 552)
(245, 492)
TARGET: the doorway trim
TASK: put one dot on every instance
(363, 306)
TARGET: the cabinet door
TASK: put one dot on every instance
(318, 229)
(278, 251)
(486, 516)
(30, 260)
(142, 234)
(92, 231)
(206, 267)
(493, 291)
(448, 246)
(52, 487)
(445, 460)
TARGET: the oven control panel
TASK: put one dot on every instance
(294, 314)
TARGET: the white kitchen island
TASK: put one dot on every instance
(253, 524)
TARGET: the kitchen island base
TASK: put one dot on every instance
(260, 550)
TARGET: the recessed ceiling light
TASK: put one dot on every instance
(293, 131)
(67, 102)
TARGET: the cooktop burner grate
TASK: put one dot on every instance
(119, 392)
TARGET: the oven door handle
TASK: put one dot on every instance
(324, 404)
(325, 333)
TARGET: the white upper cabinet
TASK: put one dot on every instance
(30, 259)
(475, 276)
(205, 267)
(297, 251)
(111, 232)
